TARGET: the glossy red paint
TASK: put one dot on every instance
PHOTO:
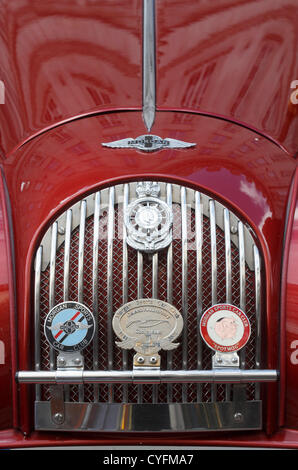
(291, 314)
(72, 72)
(284, 439)
(249, 173)
(231, 59)
(6, 317)
(59, 59)
(234, 59)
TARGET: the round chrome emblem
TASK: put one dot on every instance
(69, 327)
(147, 325)
(225, 328)
(148, 222)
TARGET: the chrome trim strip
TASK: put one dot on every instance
(119, 417)
(37, 313)
(149, 71)
(156, 376)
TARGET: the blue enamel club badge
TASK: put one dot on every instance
(69, 327)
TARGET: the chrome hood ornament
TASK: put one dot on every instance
(148, 143)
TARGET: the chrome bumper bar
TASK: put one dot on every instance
(227, 375)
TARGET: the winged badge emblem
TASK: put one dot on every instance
(148, 143)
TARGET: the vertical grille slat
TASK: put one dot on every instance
(95, 286)
(81, 252)
(184, 271)
(155, 276)
(257, 265)
(140, 275)
(207, 262)
(125, 279)
(140, 295)
(68, 230)
(83, 215)
(52, 292)
(125, 250)
(184, 286)
(199, 270)
(111, 231)
(154, 296)
(242, 280)
(38, 264)
(227, 230)
(213, 271)
(170, 289)
(66, 267)
(213, 253)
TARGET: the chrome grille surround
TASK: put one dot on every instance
(213, 258)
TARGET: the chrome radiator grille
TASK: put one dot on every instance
(212, 259)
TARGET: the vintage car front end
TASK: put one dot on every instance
(149, 225)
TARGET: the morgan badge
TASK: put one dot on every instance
(225, 328)
(69, 327)
(147, 326)
(148, 143)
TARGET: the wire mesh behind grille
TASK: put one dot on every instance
(131, 275)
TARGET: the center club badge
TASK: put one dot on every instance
(69, 327)
(147, 326)
(225, 328)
